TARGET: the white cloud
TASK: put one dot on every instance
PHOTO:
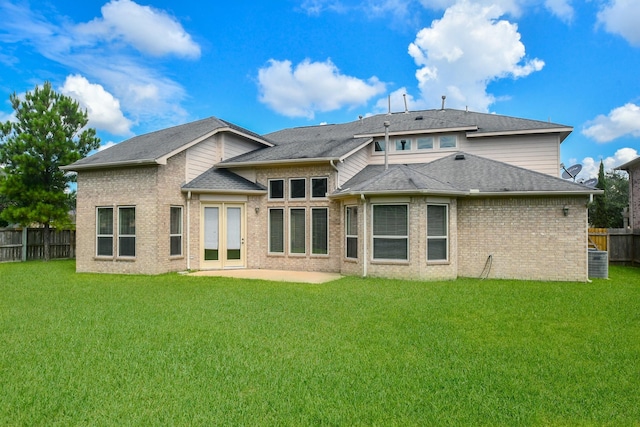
(397, 100)
(311, 87)
(102, 108)
(145, 94)
(621, 17)
(591, 166)
(464, 51)
(149, 30)
(561, 8)
(621, 121)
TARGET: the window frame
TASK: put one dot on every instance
(319, 178)
(433, 143)
(375, 236)
(282, 234)
(444, 237)
(291, 188)
(179, 234)
(408, 143)
(455, 142)
(122, 235)
(326, 232)
(350, 225)
(379, 146)
(100, 236)
(293, 235)
(270, 189)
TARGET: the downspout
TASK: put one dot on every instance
(365, 238)
(188, 230)
(338, 186)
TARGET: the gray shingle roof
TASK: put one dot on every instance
(454, 176)
(335, 141)
(222, 180)
(151, 147)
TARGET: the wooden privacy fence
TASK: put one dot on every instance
(25, 244)
(622, 244)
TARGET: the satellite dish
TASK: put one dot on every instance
(591, 182)
(572, 171)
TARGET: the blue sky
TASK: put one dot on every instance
(139, 66)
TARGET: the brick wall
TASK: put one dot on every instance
(151, 190)
(527, 238)
(634, 196)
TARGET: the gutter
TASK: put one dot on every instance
(225, 165)
(210, 191)
(141, 162)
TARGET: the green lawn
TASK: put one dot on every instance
(87, 349)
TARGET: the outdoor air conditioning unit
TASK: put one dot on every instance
(598, 264)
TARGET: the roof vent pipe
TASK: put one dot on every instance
(443, 98)
(386, 144)
(389, 105)
(406, 110)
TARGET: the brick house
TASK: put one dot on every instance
(434, 194)
(633, 169)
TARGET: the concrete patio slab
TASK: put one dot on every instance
(273, 275)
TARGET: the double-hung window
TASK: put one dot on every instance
(437, 233)
(175, 231)
(104, 231)
(276, 230)
(297, 231)
(319, 231)
(127, 231)
(391, 232)
(351, 222)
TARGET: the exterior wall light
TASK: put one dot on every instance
(565, 210)
(257, 209)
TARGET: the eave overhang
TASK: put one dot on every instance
(285, 162)
(113, 165)
(562, 131)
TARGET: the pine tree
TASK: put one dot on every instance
(48, 132)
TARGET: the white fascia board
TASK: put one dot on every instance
(287, 162)
(562, 130)
(210, 191)
(127, 163)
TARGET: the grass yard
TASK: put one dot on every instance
(87, 349)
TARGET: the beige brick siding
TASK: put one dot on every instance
(151, 190)
(527, 238)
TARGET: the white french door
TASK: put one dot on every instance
(223, 235)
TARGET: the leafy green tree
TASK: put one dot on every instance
(48, 132)
(606, 209)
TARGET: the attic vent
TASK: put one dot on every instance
(419, 118)
(459, 157)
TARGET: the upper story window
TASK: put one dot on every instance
(298, 188)
(319, 187)
(425, 143)
(403, 144)
(448, 141)
(276, 189)
(378, 146)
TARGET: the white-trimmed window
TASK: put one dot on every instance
(276, 189)
(175, 231)
(297, 188)
(319, 231)
(391, 232)
(276, 230)
(378, 146)
(297, 231)
(403, 144)
(104, 231)
(127, 231)
(448, 141)
(437, 233)
(425, 143)
(351, 232)
(319, 187)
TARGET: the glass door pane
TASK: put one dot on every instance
(211, 238)
(234, 233)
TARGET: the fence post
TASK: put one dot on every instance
(24, 243)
